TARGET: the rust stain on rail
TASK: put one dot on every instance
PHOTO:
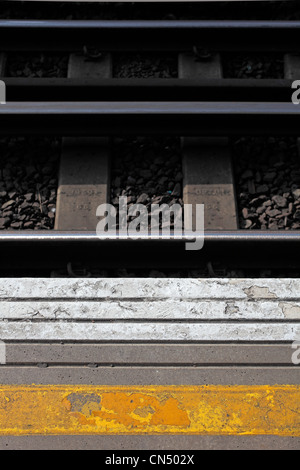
(203, 410)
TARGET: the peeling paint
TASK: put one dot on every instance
(259, 292)
(84, 403)
(290, 310)
(202, 410)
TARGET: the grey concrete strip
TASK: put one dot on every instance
(155, 354)
(151, 310)
(189, 66)
(84, 164)
(81, 66)
(214, 375)
(208, 180)
(140, 443)
(207, 167)
(148, 331)
(83, 182)
(148, 288)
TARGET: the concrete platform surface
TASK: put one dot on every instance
(149, 363)
(149, 310)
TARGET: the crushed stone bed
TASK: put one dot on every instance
(267, 174)
(28, 183)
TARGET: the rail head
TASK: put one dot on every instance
(218, 236)
(179, 35)
(149, 118)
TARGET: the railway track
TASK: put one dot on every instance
(153, 35)
(188, 352)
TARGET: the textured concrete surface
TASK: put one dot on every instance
(71, 335)
(149, 310)
(140, 443)
(159, 354)
(153, 375)
(147, 331)
(149, 288)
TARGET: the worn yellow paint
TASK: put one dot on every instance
(204, 409)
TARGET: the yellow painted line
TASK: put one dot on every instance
(205, 410)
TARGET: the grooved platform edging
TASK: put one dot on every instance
(215, 310)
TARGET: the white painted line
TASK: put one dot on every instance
(149, 288)
(150, 310)
(122, 331)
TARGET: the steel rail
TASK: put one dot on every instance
(149, 118)
(153, 89)
(179, 35)
(217, 236)
(42, 250)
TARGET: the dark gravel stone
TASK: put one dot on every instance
(248, 174)
(145, 65)
(246, 224)
(280, 201)
(146, 174)
(272, 212)
(7, 204)
(28, 225)
(131, 180)
(178, 177)
(4, 222)
(270, 176)
(28, 197)
(177, 190)
(296, 193)
(28, 183)
(262, 189)
(268, 203)
(36, 65)
(257, 201)
(137, 160)
(271, 204)
(273, 225)
(16, 225)
(142, 199)
(245, 212)
(251, 187)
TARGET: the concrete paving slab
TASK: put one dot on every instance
(155, 354)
